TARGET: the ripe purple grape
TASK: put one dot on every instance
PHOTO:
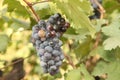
(56, 52)
(45, 38)
(47, 55)
(51, 62)
(48, 49)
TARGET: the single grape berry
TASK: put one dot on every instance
(57, 15)
(48, 49)
(41, 33)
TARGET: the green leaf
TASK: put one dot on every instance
(112, 43)
(83, 48)
(113, 33)
(17, 23)
(111, 69)
(41, 6)
(99, 23)
(74, 34)
(14, 5)
(73, 75)
(100, 68)
(3, 42)
(112, 30)
(76, 14)
(43, 9)
(85, 73)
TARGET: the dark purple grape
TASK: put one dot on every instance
(59, 63)
(56, 52)
(42, 24)
(48, 49)
(41, 52)
(61, 56)
(47, 55)
(57, 58)
(45, 38)
(57, 15)
(62, 21)
(51, 20)
(51, 62)
(35, 36)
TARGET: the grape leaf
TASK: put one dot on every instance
(111, 69)
(113, 33)
(72, 10)
(43, 10)
(41, 6)
(14, 5)
(83, 48)
(112, 43)
(85, 73)
(79, 74)
(73, 75)
(17, 23)
(3, 42)
(100, 68)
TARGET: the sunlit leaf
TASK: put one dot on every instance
(3, 42)
(73, 75)
(113, 31)
(14, 5)
(75, 13)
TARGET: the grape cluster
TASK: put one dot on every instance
(45, 38)
(97, 13)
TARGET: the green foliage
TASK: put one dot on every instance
(15, 6)
(111, 69)
(77, 13)
(3, 42)
(73, 75)
(113, 33)
(79, 40)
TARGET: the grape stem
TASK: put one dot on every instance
(33, 11)
(40, 2)
(98, 35)
(70, 61)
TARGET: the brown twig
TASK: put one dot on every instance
(33, 11)
(70, 61)
(98, 36)
(98, 39)
(39, 2)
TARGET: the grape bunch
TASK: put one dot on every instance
(45, 39)
(97, 13)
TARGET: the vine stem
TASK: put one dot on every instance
(70, 61)
(98, 36)
(33, 11)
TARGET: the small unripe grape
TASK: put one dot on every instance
(41, 33)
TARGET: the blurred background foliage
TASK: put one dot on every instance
(16, 21)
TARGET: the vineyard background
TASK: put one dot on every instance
(91, 47)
